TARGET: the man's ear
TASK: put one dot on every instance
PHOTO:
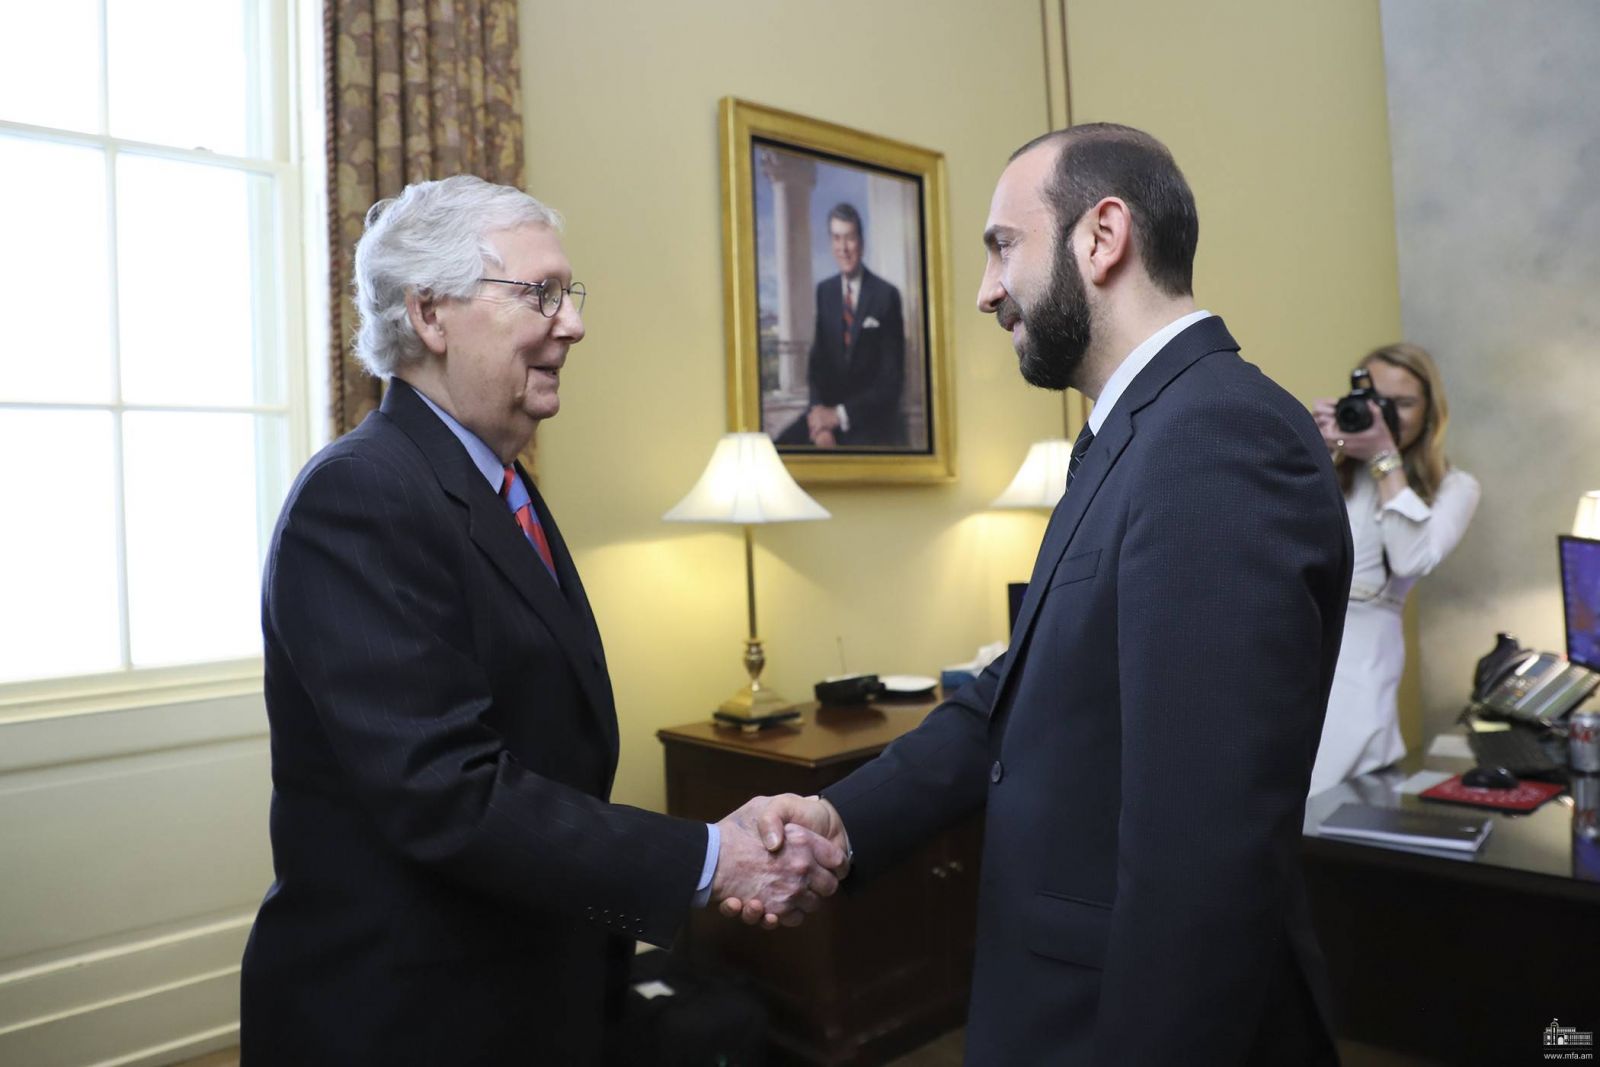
(1110, 226)
(422, 308)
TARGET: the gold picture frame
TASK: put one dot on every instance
(855, 341)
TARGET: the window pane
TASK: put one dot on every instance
(50, 64)
(179, 72)
(188, 238)
(58, 548)
(196, 524)
(53, 232)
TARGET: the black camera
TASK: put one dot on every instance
(1352, 413)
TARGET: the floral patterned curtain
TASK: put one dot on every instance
(416, 89)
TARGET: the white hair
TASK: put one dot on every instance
(431, 239)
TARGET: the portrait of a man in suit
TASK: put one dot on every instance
(856, 367)
(842, 304)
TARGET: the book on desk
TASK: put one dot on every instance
(1403, 826)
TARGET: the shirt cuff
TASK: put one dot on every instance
(844, 418)
(702, 892)
(1409, 504)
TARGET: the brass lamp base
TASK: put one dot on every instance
(753, 702)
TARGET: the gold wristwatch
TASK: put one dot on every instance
(1384, 462)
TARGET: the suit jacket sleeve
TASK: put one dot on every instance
(1230, 571)
(923, 782)
(365, 598)
(829, 307)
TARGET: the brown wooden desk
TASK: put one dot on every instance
(882, 967)
(1463, 959)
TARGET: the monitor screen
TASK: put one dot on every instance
(1580, 593)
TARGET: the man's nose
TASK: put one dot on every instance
(990, 292)
(569, 322)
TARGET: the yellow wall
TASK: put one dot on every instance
(1277, 118)
(1277, 114)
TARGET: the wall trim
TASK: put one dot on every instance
(83, 959)
(54, 741)
(219, 1037)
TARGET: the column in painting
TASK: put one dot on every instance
(793, 178)
(894, 217)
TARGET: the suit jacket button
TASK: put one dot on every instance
(997, 772)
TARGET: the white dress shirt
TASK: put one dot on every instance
(1137, 360)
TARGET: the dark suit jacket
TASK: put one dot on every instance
(451, 886)
(866, 370)
(1144, 749)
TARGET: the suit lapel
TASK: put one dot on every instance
(495, 532)
(1200, 339)
(593, 670)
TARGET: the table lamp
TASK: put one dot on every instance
(1586, 523)
(746, 483)
(1042, 478)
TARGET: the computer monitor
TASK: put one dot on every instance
(1580, 595)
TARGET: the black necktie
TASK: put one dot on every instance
(1079, 447)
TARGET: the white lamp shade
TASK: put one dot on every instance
(1042, 478)
(1586, 523)
(746, 482)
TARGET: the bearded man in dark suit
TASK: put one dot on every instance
(451, 884)
(857, 367)
(1142, 752)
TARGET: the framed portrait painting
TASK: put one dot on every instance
(837, 295)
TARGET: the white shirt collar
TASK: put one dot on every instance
(1137, 360)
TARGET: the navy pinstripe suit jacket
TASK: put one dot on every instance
(450, 884)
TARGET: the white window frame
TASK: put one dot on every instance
(290, 34)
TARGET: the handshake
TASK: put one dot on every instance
(779, 857)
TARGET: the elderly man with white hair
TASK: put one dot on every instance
(452, 885)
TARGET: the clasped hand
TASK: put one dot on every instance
(779, 857)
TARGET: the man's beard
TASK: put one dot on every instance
(1057, 330)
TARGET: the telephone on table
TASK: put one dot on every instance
(1529, 693)
(1532, 688)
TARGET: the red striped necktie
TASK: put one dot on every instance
(528, 521)
(849, 312)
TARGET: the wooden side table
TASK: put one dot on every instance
(883, 966)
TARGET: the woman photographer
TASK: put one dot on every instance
(1408, 510)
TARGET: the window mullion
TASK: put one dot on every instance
(119, 510)
(105, 69)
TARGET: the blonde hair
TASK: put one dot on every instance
(1425, 461)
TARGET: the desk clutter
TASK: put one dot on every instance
(850, 689)
(1515, 799)
(1524, 751)
(1407, 827)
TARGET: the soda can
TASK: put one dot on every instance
(1585, 807)
(1583, 742)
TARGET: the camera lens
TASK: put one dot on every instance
(1352, 414)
